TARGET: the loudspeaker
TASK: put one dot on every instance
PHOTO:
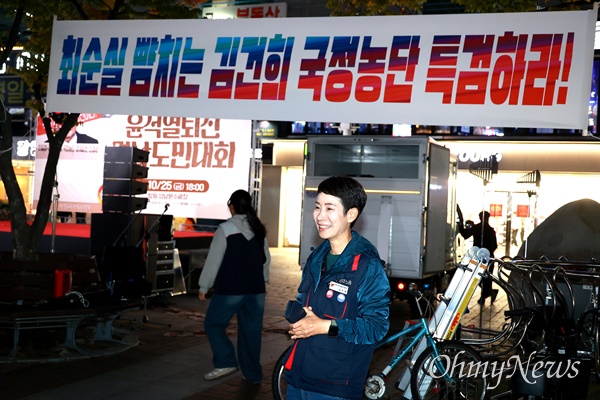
(165, 281)
(123, 230)
(124, 170)
(120, 230)
(128, 249)
(123, 204)
(124, 187)
(165, 228)
(120, 185)
(125, 154)
(123, 263)
(125, 271)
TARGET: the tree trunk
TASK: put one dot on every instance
(21, 232)
(26, 237)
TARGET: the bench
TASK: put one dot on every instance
(18, 321)
(28, 300)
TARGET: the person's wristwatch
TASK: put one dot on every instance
(333, 329)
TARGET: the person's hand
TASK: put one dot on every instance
(202, 296)
(309, 326)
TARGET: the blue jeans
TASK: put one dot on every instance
(249, 310)
(294, 393)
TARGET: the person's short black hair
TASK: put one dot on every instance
(484, 215)
(348, 190)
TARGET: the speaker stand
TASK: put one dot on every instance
(145, 319)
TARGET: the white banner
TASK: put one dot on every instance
(516, 70)
(194, 165)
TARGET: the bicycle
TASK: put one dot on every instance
(433, 366)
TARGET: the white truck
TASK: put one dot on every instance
(410, 214)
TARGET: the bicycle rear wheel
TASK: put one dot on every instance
(452, 375)
(278, 383)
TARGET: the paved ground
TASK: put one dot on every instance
(169, 361)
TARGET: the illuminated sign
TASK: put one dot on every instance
(523, 211)
(495, 210)
(13, 91)
(481, 155)
(23, 149)
(267, 129)
(269, 10)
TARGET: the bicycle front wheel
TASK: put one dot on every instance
(454, 374)
(278, 383)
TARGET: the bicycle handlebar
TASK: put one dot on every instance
(412, 289)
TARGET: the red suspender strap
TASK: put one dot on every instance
(290, 360)
(355, 263)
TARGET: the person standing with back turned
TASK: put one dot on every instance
(483, 236)
(237, 266)
(346, 295)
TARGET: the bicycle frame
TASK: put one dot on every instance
(422, 329)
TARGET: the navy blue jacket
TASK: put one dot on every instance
(356, 293)
(237, 262)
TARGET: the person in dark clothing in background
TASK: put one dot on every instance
(237, 266)
(346, 296)
(75, 137)
(483, 236)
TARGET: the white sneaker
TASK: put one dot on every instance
(219, 373)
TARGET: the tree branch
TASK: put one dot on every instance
(115, 10)
(13, 36)
(79, 9)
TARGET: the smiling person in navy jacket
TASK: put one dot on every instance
(346, 295)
